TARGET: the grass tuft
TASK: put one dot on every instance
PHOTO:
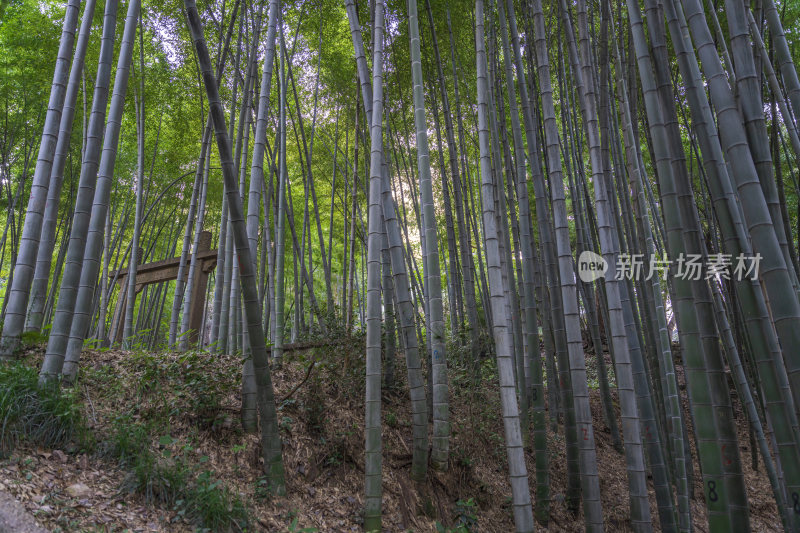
(45, 416)
(172, 482)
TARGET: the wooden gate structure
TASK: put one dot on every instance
(167, 270)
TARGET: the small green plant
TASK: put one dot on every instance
(335, 458)
(127, 441)
(286, 423)
(170, 480)
(335, 449)
(158, 478)
(455, 529)
(32, 338)
(213, 506)
(94, 344)
(262, 491)
(466, 516)
(462, 457)
(201, 390)
(466, 520)
(294, 528)
(391, 419)
(46, 416)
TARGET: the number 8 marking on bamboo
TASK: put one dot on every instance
(712, 491)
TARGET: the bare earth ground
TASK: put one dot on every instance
(322, 430)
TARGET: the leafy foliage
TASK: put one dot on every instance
(43, 416)
(171, 481)
(192, 390)
(466, 518)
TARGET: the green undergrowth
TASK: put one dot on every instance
(466, 520)
(151, 413)
(161, 387)
(166, 477)
(158, 467)
(30, 339)
(155, 389)
(43, 416)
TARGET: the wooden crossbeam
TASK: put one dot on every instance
(167, 270)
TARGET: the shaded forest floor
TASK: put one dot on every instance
(163, 449)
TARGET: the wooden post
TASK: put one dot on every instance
(199, 283)
(123, 287)
(115, 335)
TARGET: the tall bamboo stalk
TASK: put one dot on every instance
(270, 438)
(520, 493)
(19, 290)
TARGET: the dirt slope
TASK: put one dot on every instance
(196, 402)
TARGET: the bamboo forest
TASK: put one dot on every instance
(441, 266)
